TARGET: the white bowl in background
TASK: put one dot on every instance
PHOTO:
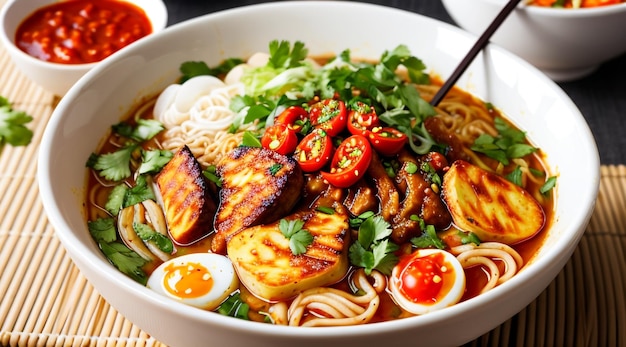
(528, 98)
(566, 44)
(57, 77)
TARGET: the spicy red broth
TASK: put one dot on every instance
(81, 31)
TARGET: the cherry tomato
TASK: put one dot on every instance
(329, 115)
(350, 161)
(280, 138)
(314, 151)
(387, 140)
(362, 117)
(294, 116)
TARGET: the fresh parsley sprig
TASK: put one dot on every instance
(13, 128)
(116, 166)
(126, 260)
(299, 239)
(429, 237)
(373, 250)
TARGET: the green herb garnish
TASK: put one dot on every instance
(126, 260)
(429, 237)
(373, 250)
(12, 125)
(299, 239)
(508, 144)
(146, 233)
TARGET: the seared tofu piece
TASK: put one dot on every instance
(185, 195)
(268, 268)
(258, 186)
(490, 206)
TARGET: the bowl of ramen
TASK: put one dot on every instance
(566, 39)
(234, 182)
(54, 43)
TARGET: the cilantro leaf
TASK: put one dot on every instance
(429, 237)
(102, 230)
(146, 129)
(299, 239)
(116, 199)
(146, 233)
(114, 166)
(508, 144)
(140, 192)
(154, 160)
(126, 260)
(373, 250)
(283, 56)
(12, 125)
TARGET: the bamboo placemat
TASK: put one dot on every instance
(45, 301)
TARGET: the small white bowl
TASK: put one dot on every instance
(112, 89)
(56, 77)
(566, 44)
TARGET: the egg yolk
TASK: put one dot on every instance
(423, 278)
(189, 280)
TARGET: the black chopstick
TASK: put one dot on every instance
(478, 46)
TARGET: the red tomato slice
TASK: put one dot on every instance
(280, 138)
(294, 117)
(350, 161)
(362, 117)
(387, 140)
(329, 115)
(314, 151)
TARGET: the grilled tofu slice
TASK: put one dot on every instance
(185, 196)
(489, 205)
(258, 186)
(268, 268)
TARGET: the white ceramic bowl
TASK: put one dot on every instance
(106, 93)
(56, 77)
(566, 44)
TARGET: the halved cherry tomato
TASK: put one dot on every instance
(387, 140)
(362, 117)
(294, 116)
(280, 138)
(329, 115)
(350, 161)
(314, 151)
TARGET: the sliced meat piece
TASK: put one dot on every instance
(258, 186)
(186, 198)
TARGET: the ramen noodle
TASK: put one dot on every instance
(318, 192)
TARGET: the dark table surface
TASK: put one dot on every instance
(601, 97)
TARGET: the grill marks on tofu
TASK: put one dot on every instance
(492, 207)
(188, 204)
(258, 186)
(267, 267)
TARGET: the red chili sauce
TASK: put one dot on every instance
(81, 31)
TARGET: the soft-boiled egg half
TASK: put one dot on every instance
(202, 280)
(427, 280)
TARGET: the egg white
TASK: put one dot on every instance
(172, 272)
(448, 299)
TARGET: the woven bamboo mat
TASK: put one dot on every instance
(45, 301)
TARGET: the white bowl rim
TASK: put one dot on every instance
(69, 239)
